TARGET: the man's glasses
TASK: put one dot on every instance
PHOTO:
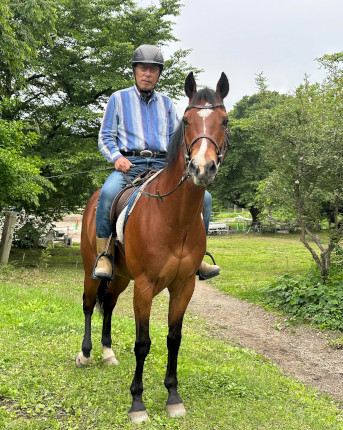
(145, 67)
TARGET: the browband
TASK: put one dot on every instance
(204, 107)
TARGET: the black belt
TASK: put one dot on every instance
(145, 153)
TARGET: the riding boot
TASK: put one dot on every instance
(103, 266)
(208, 271)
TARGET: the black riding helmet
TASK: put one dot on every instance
(148, 54)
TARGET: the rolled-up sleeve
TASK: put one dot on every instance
(107, 141)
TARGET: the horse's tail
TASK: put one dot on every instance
(100, 296)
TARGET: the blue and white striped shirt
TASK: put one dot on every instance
(131, 124)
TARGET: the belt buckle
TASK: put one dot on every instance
(146, 153)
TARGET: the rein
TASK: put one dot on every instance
(158, 195)
(161, 196)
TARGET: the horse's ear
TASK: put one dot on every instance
(190, 86)
(223, 86)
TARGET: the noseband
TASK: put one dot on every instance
(220, 151)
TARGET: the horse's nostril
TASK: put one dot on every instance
(192, 168)
(212, 168)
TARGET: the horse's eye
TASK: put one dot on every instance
(185, 121)
(225, 121)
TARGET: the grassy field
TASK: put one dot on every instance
(250, 260)
(222, 386)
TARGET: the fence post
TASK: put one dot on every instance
(7, 236)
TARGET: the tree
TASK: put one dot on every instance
(245, 164)
(305, 144)
(25, 26)
(66, 83)
(24, 29)
(20, 179)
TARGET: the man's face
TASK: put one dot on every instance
(147, 75)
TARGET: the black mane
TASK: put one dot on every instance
(203, 95)
(174, 144)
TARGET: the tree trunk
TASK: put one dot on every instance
(254, 213)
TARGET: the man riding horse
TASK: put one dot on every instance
(136, 129)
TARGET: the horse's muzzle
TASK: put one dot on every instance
(202, 175)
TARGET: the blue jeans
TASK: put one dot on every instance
(116, 182)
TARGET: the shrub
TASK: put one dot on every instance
(309, 298)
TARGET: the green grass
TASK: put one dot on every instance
(248, 261)
(41, 329)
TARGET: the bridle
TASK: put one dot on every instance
(187, 151)
(220, 151)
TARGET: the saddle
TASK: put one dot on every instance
(123, 198)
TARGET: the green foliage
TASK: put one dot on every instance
(25, 27)
(304, 150)
(304, 147)
(309, 298)
(245, 164)
(76, 53)
(20, 179)
(45, 257)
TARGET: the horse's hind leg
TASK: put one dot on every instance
(177, 307)
(109, 301)
(83, 358)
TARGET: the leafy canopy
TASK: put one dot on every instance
(305, 144)
(61, 60)
(245, 164)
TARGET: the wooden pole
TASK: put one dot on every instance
(7, 236)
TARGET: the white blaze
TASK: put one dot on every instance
(200, 157)
(204, 113)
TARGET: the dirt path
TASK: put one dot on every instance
(300, 352)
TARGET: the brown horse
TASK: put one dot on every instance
(165, 240)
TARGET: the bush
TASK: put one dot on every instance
(309, 298)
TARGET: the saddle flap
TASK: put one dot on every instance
(126, 197)
(119, 203)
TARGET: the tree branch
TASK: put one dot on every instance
(36, 76)
(100, 93)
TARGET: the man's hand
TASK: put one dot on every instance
(122, 164)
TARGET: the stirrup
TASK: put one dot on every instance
(212, 274)
(103, 278)
(210, 255)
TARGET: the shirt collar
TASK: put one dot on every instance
(153, 94)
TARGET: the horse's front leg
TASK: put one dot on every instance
(179, 299)
(142, 305)
(83, 358)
